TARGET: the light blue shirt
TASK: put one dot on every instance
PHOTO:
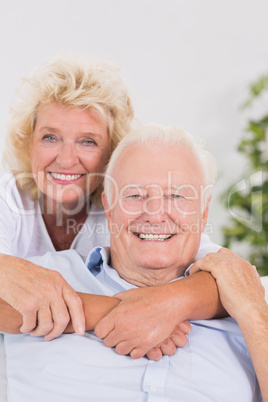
(213, 366)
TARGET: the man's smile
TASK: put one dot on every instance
(151, 236)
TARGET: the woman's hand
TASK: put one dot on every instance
(43, 298)
(238, 281)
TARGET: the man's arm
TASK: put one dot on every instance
(242, 294)
(95, 308)
(147, 316)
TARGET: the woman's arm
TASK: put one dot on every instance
(242, 294)
(145, 319)
(95, 307)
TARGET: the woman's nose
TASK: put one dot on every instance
(67, 156)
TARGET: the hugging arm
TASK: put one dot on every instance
(95, 307)
(242, 294)
(148, 320)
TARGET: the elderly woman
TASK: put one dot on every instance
(69, 117)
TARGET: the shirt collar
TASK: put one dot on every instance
(98, 264)
(96, 257)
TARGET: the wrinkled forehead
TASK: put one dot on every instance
(157, 166)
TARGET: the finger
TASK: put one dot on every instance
(104, 327)
(154, 354)
(185, 327)
(29, 322)
(61, 318)
(114, 338)
(124, 348)
(138, 353)
(194, 269)
(44, 322)
(167, 347)
(121, 295)
(203, 264)
(127, 348)
(179, 339)
(75, 307)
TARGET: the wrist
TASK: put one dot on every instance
(250, 314)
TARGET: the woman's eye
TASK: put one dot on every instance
(49, 138)
(88, 142)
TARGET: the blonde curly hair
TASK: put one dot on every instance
(72, 80)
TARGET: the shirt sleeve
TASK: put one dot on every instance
(7, 225)
(206, 246)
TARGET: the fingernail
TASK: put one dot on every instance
(80, 330)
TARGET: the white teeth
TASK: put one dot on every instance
(65, 177)
(150, 236)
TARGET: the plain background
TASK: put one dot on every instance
(186, 62)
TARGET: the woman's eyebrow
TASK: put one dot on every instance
(58, 130)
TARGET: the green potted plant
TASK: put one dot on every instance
(247, 200)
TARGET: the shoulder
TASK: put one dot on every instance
(206, 246)
(57, 259)
(12, 196)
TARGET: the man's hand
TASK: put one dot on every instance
(144, 320)
(43, 298)
(178, 339)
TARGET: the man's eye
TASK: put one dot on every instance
(175, 196)
(134, 196)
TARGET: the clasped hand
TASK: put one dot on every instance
(144, 323)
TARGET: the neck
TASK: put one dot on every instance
(145, 276)
(60, 213)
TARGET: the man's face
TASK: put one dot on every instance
(158, 215)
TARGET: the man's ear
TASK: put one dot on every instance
(205, 214)
(106, 206)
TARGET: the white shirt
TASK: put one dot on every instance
(214, 366)
(23, 232)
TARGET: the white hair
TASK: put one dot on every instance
(152, 135)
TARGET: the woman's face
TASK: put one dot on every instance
(69, 151)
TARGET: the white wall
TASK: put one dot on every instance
(187, 62)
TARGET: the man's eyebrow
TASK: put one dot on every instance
(180, 187)
(133, 185)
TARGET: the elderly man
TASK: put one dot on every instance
(157, 192)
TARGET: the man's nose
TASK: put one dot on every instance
(154, 209)
(67, 156)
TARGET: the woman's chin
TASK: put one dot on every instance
(68, 201)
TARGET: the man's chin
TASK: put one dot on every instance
(154, 263)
